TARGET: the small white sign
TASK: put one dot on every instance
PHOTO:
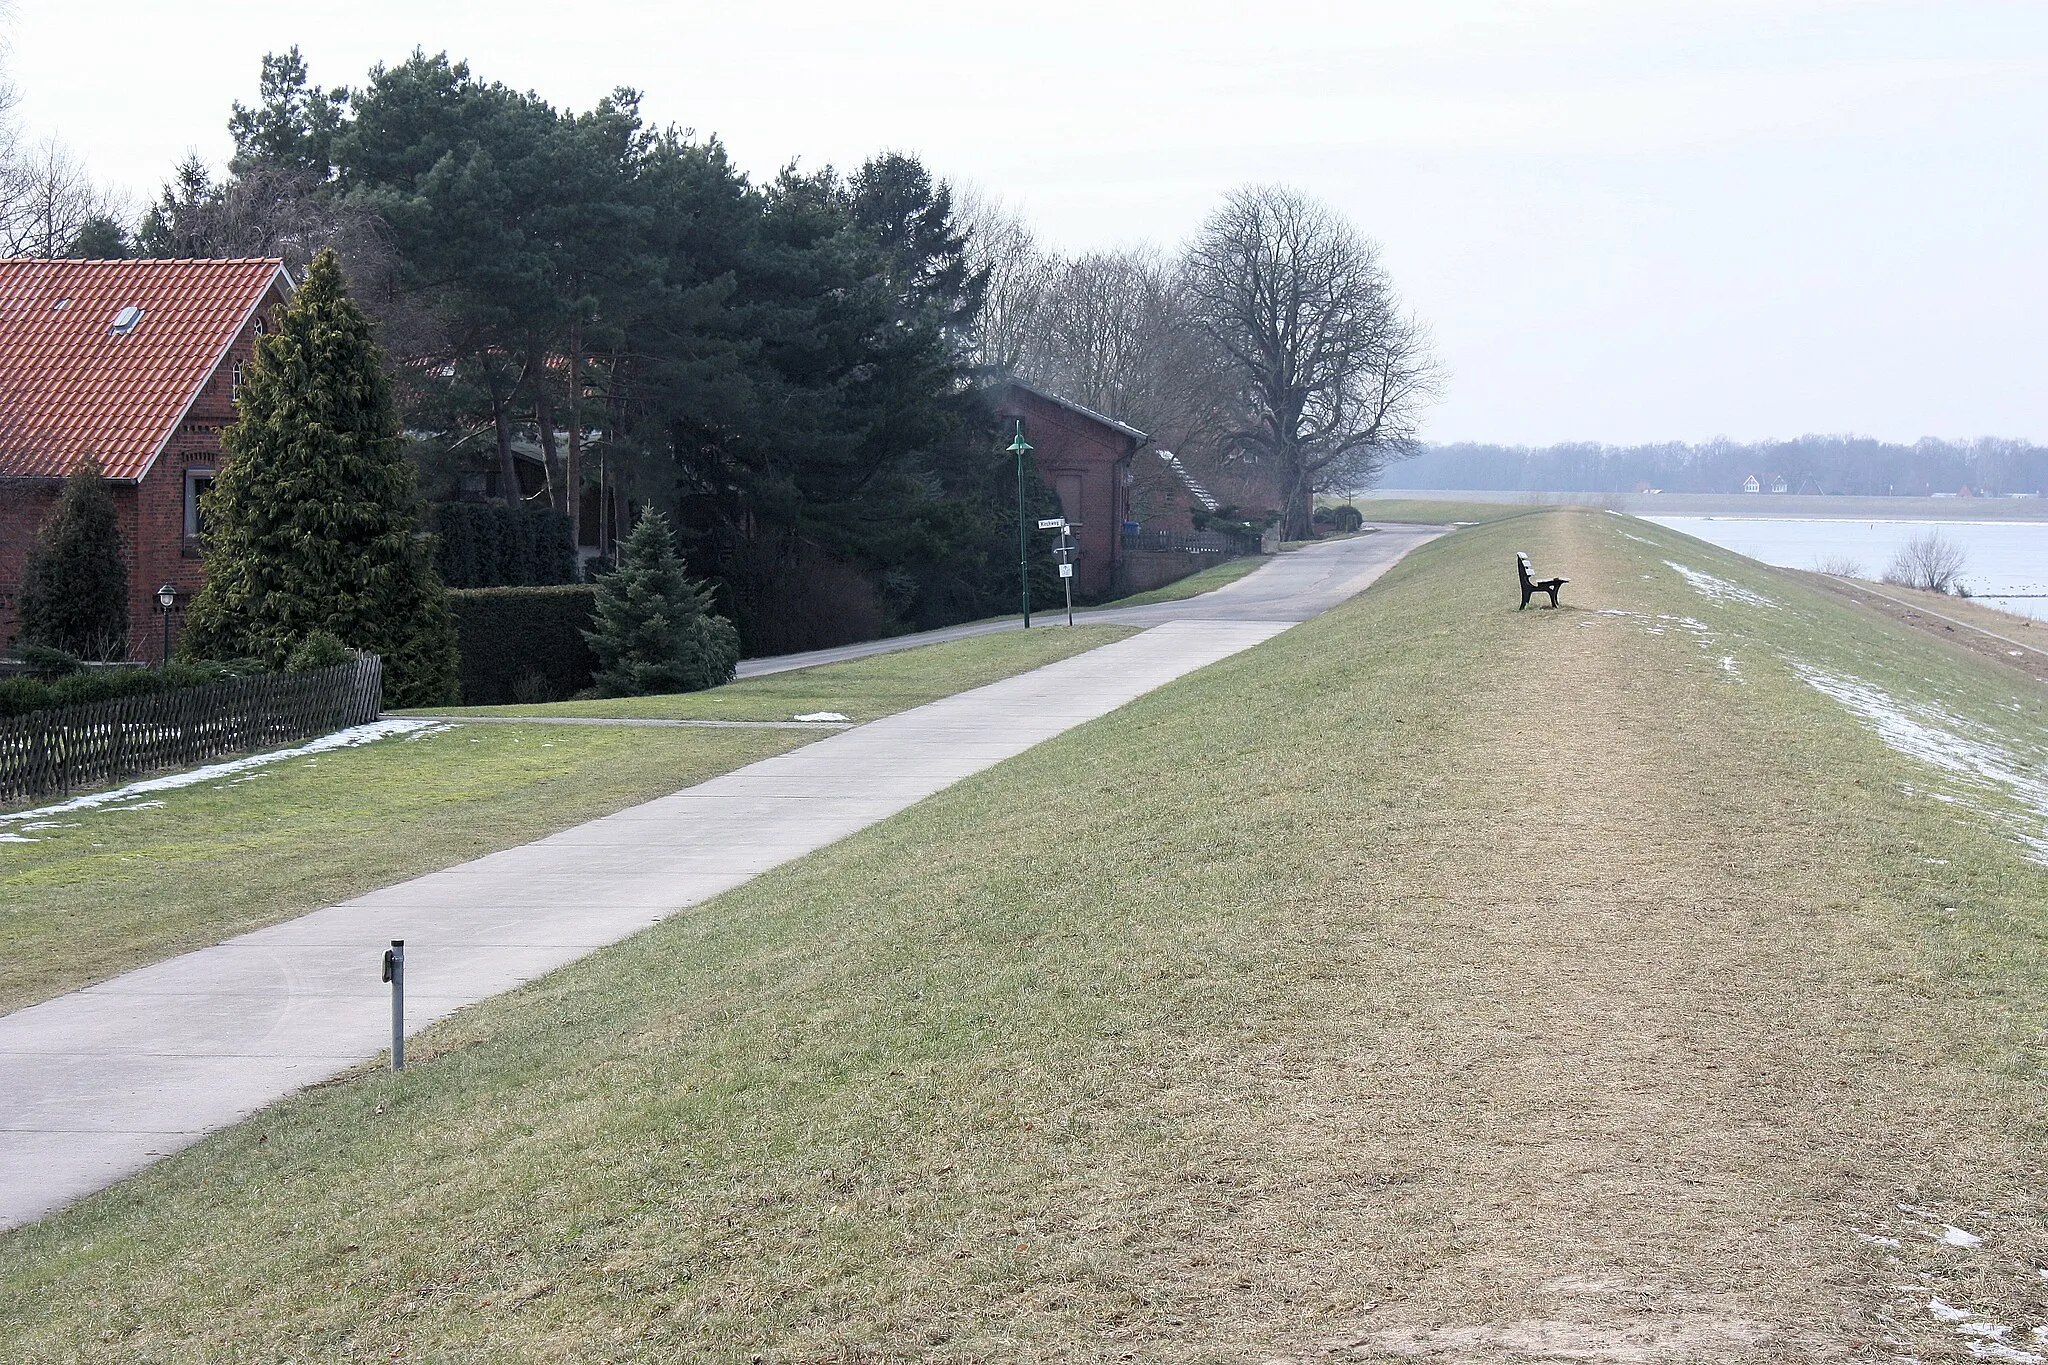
(1053, 524)
(1066, 571)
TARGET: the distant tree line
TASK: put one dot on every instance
(1812, 464)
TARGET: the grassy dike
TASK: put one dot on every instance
(1436, 979)
(97, 892)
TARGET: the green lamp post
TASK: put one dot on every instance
(1020, 450)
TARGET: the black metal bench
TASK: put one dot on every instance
(1531, 584)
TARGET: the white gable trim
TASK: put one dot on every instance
(280, 281)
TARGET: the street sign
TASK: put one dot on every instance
(1053, 524)
(1066, 571)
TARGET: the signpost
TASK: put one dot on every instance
(1065, 553)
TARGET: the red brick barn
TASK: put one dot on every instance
(1086, 457)
(136, 363)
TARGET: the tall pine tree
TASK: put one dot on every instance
(74, 588)
(314, 515)
(655, 629)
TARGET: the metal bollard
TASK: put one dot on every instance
(394, 972)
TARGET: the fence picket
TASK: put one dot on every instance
(69, 747)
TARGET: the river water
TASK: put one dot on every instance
(2005, 563)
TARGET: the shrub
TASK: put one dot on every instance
(19, 696)
(491, 546)
(509, 635)
(74, 587)
(318, 650)
(1932, 563)
(47, 661)
(655, 631)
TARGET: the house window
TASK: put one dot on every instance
(198, 483)
(235, 383)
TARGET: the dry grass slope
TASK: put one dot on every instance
(1436, 982)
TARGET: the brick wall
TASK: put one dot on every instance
(152, 517)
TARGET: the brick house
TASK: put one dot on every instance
(1086, 457)
(136, 363)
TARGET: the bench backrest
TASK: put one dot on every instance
(1522, 567)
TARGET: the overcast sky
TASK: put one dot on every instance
(1625, 219)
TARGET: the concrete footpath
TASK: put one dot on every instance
(97, 1084)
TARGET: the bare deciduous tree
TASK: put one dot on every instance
(1333, 374)
(1000, 243)
(1932, 562)
(46, 196)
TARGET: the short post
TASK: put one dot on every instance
(394, 972)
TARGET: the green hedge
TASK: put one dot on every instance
(21, 695)
(486, 546)
(523, 644)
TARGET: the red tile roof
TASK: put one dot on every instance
(70, 386)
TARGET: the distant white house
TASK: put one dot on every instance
(1752, 484)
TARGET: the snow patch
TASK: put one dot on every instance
(350, 738)
(822, 715)
(1956, 1237)
(1718, 589)
(1656, 623)
(1967, 752)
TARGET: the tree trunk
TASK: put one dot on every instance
(508, 467)
(544, 419)
(575, 472)
(1297, 507)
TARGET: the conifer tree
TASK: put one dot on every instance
(74, 587)
(655, 628)
(314, 514)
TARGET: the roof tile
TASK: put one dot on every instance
(69, 386)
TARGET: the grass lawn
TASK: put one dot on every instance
(1195, 584)
(1434, 981)
(100, 891)
(1437, 513)
(862, 689)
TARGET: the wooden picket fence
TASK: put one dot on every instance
(70, 748)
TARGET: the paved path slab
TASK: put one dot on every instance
(97, 1084)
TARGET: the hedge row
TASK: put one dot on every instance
(21, 695)
(487, 546)
(524, 644)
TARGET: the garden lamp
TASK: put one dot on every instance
(1020, 449)
(167, 597)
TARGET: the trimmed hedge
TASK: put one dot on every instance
(524, 644)
(487, 546)
(19, 696)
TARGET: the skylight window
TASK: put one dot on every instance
(125, 320)
(60, 305)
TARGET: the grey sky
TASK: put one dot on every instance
(1625, 220)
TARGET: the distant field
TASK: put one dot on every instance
(1435, 512)
(1743, 504)
(1658, 978)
